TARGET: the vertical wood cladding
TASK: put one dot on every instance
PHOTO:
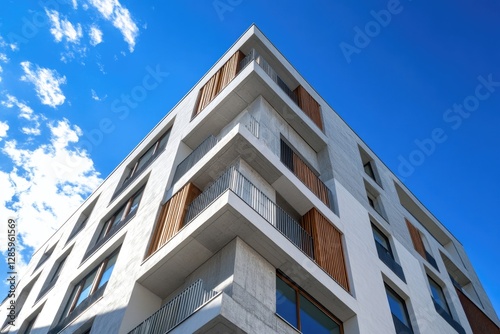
(309, 105)
(416, 238)
(218, 81)
(478, 321)
(328, 250)
(305, 174)
(172, 215)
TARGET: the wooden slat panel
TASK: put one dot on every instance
(328, 250)
(309, 105)
(172, 216)
(218, 81)
(310, 179)
(416, 238)
(478, 321)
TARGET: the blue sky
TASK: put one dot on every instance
(82, 82)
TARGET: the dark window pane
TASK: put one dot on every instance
(381, 239)
(70, 301)
(438, 295)
(118, 216)
(369, 170)
(286, 302)
(398, 308)
(58, 270)
(163, 141)
(145, 158)
(314, 321)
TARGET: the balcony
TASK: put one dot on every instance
(176, 310)
(388, 259)
(250, 82)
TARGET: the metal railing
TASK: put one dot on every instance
(233, 180)
(254, 55)
(177, 310)
(195, 156)
(253, 126)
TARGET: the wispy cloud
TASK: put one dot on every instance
(42, 178)
(26, 113)
(61, 28)
(120, 16)
(96, 97)
(95, 35)
(47, 83)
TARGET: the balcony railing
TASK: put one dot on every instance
(177, 310)
(233, 180)
(388, 259)
(299, 96)
(446, 316)
(195, 156)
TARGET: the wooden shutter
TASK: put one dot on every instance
(416, 238)
(309, 105)
(328, 249)
(310, 179)
(218, 81)
(172, 216)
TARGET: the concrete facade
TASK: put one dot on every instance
(234, 249)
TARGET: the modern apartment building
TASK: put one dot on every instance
(252, 207)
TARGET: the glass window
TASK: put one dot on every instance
(293, 305)
(29, 327)
(107, 271)
(399, 311)
(135, 203)
(438, 295)
(90, 284)
(86, 288)
(314, 321)
(145, 158)
(369, 170)
(381, 239)
(286, 305)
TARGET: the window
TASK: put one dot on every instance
(53, 276)
(373, 198)
(90, 284)
(301, 311)
(45, 256)
(399, 312)
(82, 220)
(421, 244)
(369, 170)
(147, 157)
(438, 296)
(384, 252)
(125, 212)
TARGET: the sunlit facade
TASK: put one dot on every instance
(252, 207)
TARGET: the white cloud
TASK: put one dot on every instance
(42, 178)
(3, 57)
(95, 35)
(4, 127)
(75, 4)
(96, 97)
(113, 11)
(25, 112)
(62, 28)
(47, 83)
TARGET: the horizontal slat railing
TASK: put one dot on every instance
(233, 180)
(177, 310)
